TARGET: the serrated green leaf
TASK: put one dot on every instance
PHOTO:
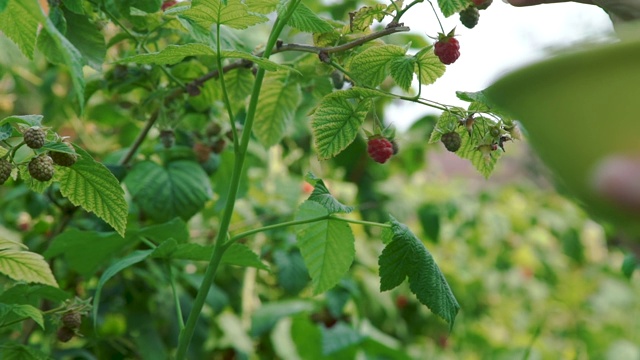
(278, 102)
(19, 22)
(475, 149)
(364, 17)
(406, 256)
(305, 20)
(292, 273)
(371, 66)
(32, 294)
(86, 37)
(234, 14)
(448, 121)
(339, 337)
(26, 266)
(86, 251)
(175, 228)
(16, 351)
(129, 260)
(74, 5)
(239, 84)
(262, 6)
(10, 244)
(336, 122)
(322, 196)
(170, 55)
(428, 67)
(450, 7)
(401, 70)
(327, 246)
(12, 312)
(29, 120)
(179, 189)
(60, 51)
(241, 255)
(92, 186)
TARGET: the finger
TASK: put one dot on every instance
(538, 2)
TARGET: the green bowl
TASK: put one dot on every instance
(578, 109)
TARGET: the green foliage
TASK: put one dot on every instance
(304, 19)
(406, 257)
(22, 32)
(9, 313)
(278, 101)
(372, 65)
(234, 14)
(22, 265)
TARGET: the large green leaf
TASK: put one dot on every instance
(86, 37)
(129, 260)
(13, 312)
(401, 70)
(336, 122)
(239, 85)
(262, 6)
(29, 120)
(327, 246)
(371, 66)
(60, 51)
(237, 254)
(278, 102)
(86, 251)
(450, 7)
(267, 315)
(170, 55)
(32, 294)
(92, 186)
(234, 14)
(179, 189)
(26, 266)
(427, 66)
(304, 19)
(406, 256)
(322, 196)
(19, 22)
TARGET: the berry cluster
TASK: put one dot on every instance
(41, 166)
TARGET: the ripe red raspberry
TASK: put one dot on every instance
(380, 149)
(482, 4)
(167, 4)
(5, 170)
(447, 48)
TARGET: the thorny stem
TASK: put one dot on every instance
(240, 154)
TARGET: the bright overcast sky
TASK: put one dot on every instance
(505, 38)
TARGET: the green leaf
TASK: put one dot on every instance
(429, 216)
(10, 244)
(32, 294)
(74, 5)
(26, 266)
(364, 17)
(86, 251)
(265, 63)
(175, 228)
(305, 20)
(474, 147)
(60, 51)
(629, 265)
(448, 121)
(405, 256)
(401, 70)
(239, 84)
(12, 312)
(322, 196)
(450, 7)
(29, 120)
(129, 260)
(235, 14)
(92, 186)
(3, 5)
(278, 102)
(267, 315)
(292, 273)
(371, 66)
(19, 22)
(339, 337)
(327, 246)
(170, 55)
(179, 189)
(86, 37)
(336, 122)
(262, 6)
(428, 67)
(241, 255)
(16, 351)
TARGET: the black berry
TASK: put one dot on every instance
(34, 137)
(41, 168)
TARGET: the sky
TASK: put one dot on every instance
(505, 39)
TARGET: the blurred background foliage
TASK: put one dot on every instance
(535, 277)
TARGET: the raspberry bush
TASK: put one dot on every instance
(207, 162)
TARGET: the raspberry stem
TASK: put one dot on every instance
(436, 14)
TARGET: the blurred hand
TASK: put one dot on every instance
(617, 179)
(538, 2)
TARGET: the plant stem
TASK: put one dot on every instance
(360, 222)
(240, 153)
(275, 226)
(176, 298)
(225, 94)
(141, 136)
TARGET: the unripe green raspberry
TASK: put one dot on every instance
(5, 170)
(451, 141)
(64, 159)
(469, 17)
(34, 137)
(41, 168)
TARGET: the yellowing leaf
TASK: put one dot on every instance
(277, 102)
(428, 67)
(26, 266)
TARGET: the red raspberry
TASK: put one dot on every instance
(168, 4)
(447, 48)
(482, 4)
(380, 149)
